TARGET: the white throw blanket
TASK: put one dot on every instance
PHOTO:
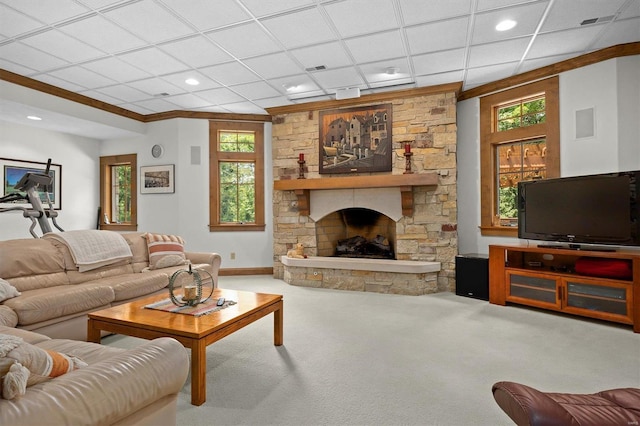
(92, 249)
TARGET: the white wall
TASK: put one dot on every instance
(611, 87)
(79, 157)
(186, 212)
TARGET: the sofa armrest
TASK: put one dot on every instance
(213, 259)
(8, 316)
(104, 392)
(527, 406)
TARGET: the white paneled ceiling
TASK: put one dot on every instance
(253, 54)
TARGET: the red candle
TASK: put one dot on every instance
(407, 148)
(301, 157)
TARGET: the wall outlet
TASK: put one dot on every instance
(232, 256)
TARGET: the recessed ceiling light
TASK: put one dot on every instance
(505, 25)
(289, 87)
(34, 117)
(192, 82)
(392, 70)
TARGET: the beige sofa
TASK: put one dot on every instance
(138, 386)
(56, 297)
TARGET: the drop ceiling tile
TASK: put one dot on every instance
(435, 36)
(338, 79)
(27, 56)
(303, 28)
(301, 83)
(50, 11)
(83, 77)
(566, 14)
(357, 17)
(149, 21)
(496, 4)
(273, 66)
(58, 82)
(418, 12)
(220, 96)
(432, 63)
(527, 17)
(261, 8)
(156, 85)
(155, 105)
(533, 64)
(378, 71)
(63, 46)
(196, 52)
(631, 11)
(244, 41)
(477, 76)
(256, 90)
(102, 34)
(563, 42)
(207, 15)
(126, 93)
(440, 78)
(272, 102)
(154, 61)
(187, 100)
(15, 68)
(499, 52)
(101, 97)
(244, 108)
(376, 47)
(230, 74)
(626, 31)
(331, 55)
(140, 109)
(13, 23)
(116, 69)
(178, 80)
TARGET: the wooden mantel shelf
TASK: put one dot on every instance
(405, 182)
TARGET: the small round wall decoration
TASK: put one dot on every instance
(157, 151)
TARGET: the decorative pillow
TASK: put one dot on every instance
(23, 364)
(165, 251)
(7, 291)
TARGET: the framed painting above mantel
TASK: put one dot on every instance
(356, 140)
(13, 170)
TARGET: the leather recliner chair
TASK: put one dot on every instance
(527, 406)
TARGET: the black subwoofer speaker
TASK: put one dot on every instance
(472, 275)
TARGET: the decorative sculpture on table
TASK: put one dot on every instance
(193, 282)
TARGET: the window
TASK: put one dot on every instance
(236, 175)
(118, 193)
(519, 137)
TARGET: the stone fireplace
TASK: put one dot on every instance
(415, 212)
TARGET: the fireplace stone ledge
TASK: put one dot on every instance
(360, 264)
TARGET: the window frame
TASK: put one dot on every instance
(106, 163)
(490, 138)
(216, 157)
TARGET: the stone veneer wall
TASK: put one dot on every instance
(428, 124)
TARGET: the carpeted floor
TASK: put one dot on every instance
(353, 358)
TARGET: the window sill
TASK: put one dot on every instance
(498, 231)
(235, 227)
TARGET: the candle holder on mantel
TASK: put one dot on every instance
(407, 158)
(301, 162)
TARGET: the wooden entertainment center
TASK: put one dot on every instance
(545, 277)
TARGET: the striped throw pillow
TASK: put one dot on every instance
(165, 251)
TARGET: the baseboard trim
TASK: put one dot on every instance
(246, 271)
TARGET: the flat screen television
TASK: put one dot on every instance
(595, 209)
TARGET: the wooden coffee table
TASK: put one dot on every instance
(196, 333)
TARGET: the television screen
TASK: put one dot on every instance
(595, 209)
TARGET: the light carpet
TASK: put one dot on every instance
(352, 358)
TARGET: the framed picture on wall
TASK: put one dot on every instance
(356, 140)
(157, 179)
(13, 170)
